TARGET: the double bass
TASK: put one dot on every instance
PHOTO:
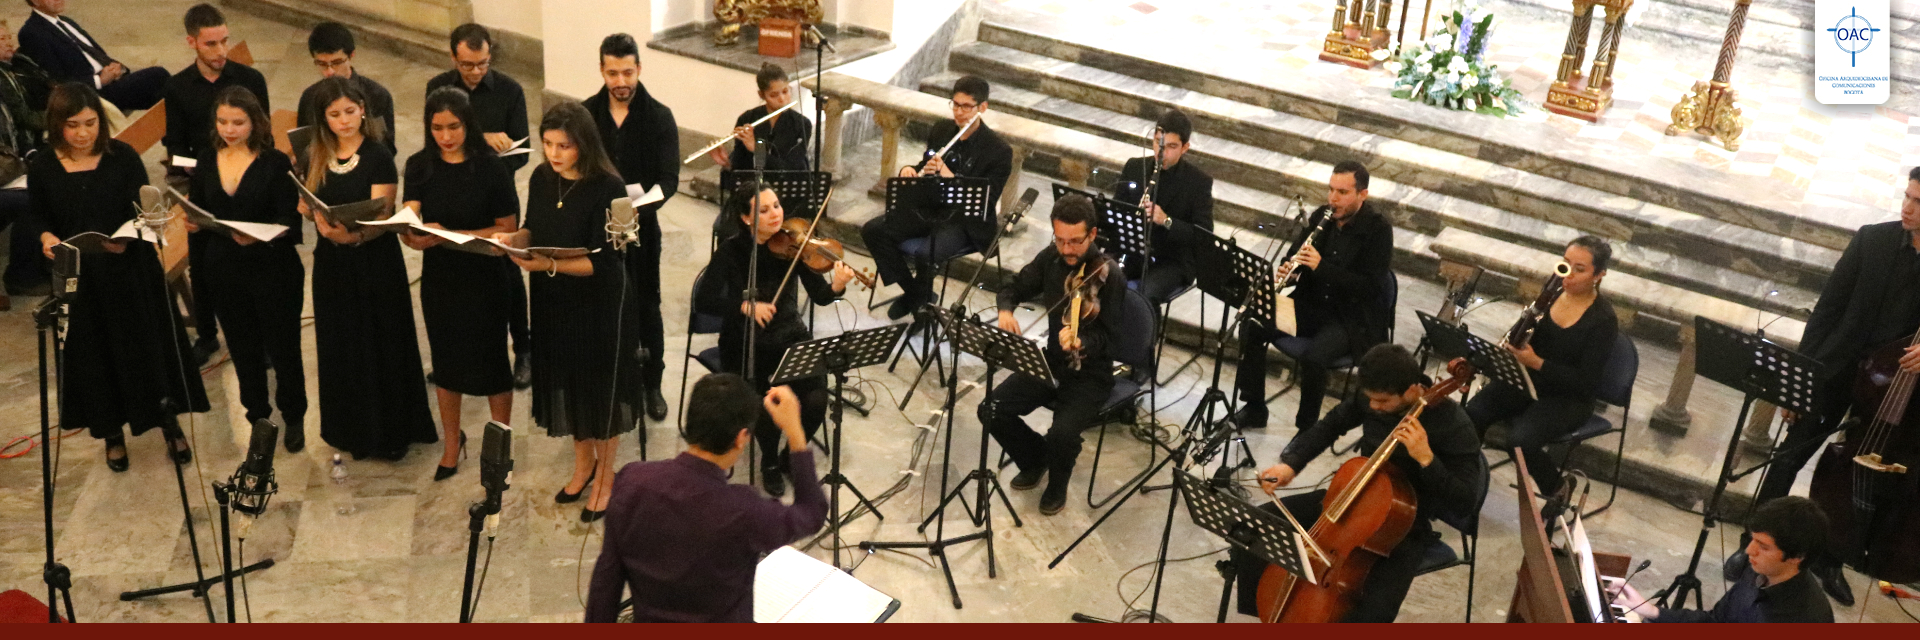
(1368, 510)
(1868, 481)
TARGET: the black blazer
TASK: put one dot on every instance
(62, 59)
(1849, 305)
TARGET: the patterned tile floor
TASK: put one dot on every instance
(1851, 154)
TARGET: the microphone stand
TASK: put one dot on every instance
(478, 517)
(820, 86)
(751, 295)
(48, 319)
(1000, 229)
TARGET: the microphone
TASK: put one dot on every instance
(496, 469)
(623, 224)
(253, 484)
(759, 155)
(153, 209)
(821, 37)
(1020, 208)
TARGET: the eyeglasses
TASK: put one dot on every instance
(963, 106)
(333, 64)
(482, 65)
(1072, 243)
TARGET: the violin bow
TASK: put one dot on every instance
(800, 249)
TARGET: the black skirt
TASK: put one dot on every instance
(373, 395)
(465, 298)
(125, 359)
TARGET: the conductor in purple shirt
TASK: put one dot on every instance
(685, 541)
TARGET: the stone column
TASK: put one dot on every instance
(1012, 190)
(830, 136)
(1671, 416)
(890, 124)
(1757, 437)
(1077, 171)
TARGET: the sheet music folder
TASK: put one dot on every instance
(790, 586)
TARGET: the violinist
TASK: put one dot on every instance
(1083, 386)
(1440, 457)
(778, 321)
(1566, 357)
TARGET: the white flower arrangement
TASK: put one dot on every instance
(1448, 70)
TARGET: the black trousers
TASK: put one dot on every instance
(26, 265)
(1386, 585)
(1832, 398)
(137, 89)
(813, 412)
(1531, 424)
(206, 322)
(261, 296)
(1327, 344)
(884, 234)
(1077, 402)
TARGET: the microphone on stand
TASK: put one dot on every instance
(253, 484)
(623, 224)
(820, 36)
(496, 469)
(154, 212)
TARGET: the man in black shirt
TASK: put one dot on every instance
(331, 45)
(500, 111)
(1439, 455)
(978, 154)
(1080, 390)
(499, 104)
(644, 143)
(1338, 310)
(1867, 302)
(1771, 587)
(1181, 206)
(189, 95)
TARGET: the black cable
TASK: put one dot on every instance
(1903, 608)
(474, 605)
(1133, 614)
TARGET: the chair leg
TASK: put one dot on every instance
(1619, 451)
(1473, 566)
(686, 367)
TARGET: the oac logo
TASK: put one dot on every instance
(1853, 34)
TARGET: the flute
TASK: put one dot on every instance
(956, 138)
(723, 139)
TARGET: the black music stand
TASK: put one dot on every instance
(1762, 370)
(1491, 360)
(1273, 538)
(942, 202)
(999, 349)
(838, 355)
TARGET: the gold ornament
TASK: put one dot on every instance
(733, 15)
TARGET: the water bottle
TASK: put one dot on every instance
(342, 494)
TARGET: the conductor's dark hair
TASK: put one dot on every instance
(769, 74)
(972, 86)
(1175, 122)
(619, 46)
(1354, 167)
(1598, 246)
(472, 35)
(1388, 368)
(573, 118)
(1075, 209)
(238, 97)
(1797, 525)
(202, 16)
(1914, 175)
(721, 406)
(330, 37)
(67, 101)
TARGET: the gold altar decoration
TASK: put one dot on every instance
(733, 15)
(1352, 43)
(1711, 109)
(1586, 96)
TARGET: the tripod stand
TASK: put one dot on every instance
(838, 355)
(47, 321)
(1762, 370)
(998, 348)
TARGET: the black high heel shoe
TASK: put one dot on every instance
(590, 516)
(442, 473)
(567, 498)
(177, 446)
(121, 463)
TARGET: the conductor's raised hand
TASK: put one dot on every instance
(784, 408)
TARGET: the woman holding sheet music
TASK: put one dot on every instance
(260, 283)
(125, 344)
(459, 185)
(373, 395)
(585, 317)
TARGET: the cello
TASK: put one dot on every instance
(1368, 509)
(1868, 481)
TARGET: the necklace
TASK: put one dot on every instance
(344, 167)
(561, 202)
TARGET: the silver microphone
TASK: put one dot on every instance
(623, 224)
(154, 211)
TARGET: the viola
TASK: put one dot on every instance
(1868, 481)
(798, 241)
(1367, 511)
(1083, 302)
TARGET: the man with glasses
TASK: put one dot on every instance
(1180, 205)
(331, 46)
(1081, 388)
(499, 104)
(980, 153)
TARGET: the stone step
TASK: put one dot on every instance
(1740, 201)
(1786, 33)
(1424, 211)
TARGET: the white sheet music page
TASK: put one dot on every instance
(790, 586)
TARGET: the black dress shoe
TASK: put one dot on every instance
(523, 370)
(442, 473)
(204, 349)
(177, 447)
(656, 404)
(1251, 417)
(1054, 499)
(774, 482)
(1027, 479)
(904, 305)
(296, 439)
(568, 498)
(116, 464)
(589, 515)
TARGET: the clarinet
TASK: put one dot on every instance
(1293, 263)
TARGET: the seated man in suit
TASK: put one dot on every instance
(70, 54)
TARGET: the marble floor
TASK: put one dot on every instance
(387, 544)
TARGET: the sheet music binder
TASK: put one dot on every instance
(863, 348)
(1491, 360)
(261, 231)
(790, 586)
(1267, 535)
(349, 215)
(95, 242)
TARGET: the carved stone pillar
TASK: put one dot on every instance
(830, 134)
(1757, 437)
(890, 124)
(1671, 416)
(1586, 96)
(1077, 172)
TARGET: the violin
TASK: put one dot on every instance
(1368, 509)
(1083, 301)
(797, 241)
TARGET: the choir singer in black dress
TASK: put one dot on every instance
(778, 321)
(1181, 207)
(585, 315)
(260, 284)
(465, 298)
(126, 349)
(373, 395)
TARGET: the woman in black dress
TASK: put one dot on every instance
(1566, 358)
(786, 134)
(126, 347)
(585, 317)
(259, 283)
(373, 395)
(459, 185)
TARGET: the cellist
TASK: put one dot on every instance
(1440, 457)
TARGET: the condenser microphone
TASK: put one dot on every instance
(154, 212)
(253, 484)
(623, 225)
(496, 469)
(1020, 208)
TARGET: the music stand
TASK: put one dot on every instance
(999, 349)
(1272, 537)
(1491, 360)
(801, 192)
(1762, 370)
(941, 202)
(837, 355)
